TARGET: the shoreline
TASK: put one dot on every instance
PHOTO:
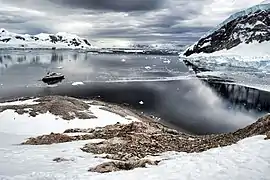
(133, 141)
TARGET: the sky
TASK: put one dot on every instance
(120, 22)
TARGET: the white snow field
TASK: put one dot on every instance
(13, 123)
(61, 40)
(249, 159)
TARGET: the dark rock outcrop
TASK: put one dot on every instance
(19, 37)
(6, 40)
(254, 27)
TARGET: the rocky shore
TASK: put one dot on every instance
(128, 145)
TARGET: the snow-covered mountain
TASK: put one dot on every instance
(155, 46)
(60, 40)
(245, 31)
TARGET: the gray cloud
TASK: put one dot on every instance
(144, 21)
(114, 5)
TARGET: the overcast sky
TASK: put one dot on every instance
(120, 21)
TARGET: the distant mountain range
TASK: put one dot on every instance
(250, 27)
(60, 40)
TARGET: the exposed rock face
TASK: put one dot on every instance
(139, 139)
(120, 165)
(254, 27)
(66, 107)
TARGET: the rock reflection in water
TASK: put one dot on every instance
(243, 97)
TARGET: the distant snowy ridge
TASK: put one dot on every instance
(155, 46)
(60, 40)
(238, 35)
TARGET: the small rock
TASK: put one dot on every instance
(61, 159)
(171, 131)
(122, 165)
(267, 135)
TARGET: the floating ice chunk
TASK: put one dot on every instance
(60, 67)
(167, 61)
(123, 60)
(147, 67)
(77, 83)
(141, 103)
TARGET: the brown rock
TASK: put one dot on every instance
(66, 107)
(48, 139)
(59, 159)
(120, 165)
(267, 135)
(56, 138)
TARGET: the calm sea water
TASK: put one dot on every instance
(166, 87)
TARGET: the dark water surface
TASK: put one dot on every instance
(163, 83)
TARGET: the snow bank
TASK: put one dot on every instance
(249, 159)
(13, 123)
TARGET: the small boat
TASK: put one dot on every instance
(53, 78)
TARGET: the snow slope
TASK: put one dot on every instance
(60, 40)
(13, 123)
(248, 159)
(244, 33)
